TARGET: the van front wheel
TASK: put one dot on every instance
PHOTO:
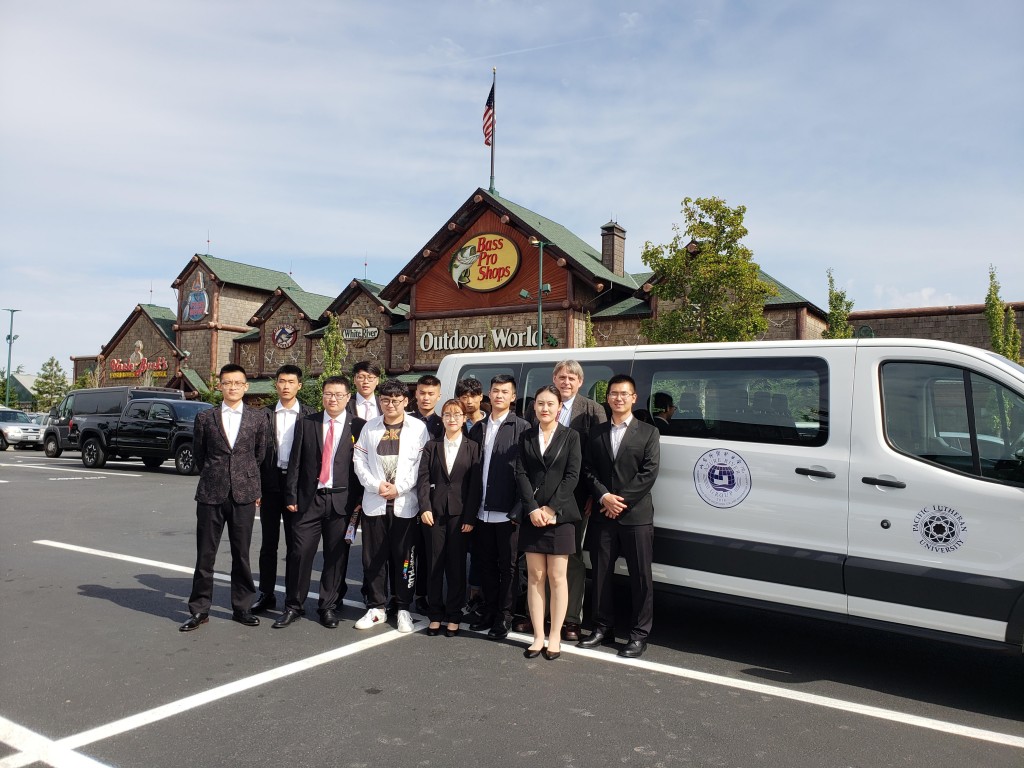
(52, 447)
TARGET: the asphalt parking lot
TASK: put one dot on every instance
(96, 572)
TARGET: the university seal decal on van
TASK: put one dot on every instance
(722, 478)
(940, 529)
(485, 263)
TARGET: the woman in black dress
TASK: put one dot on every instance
(547, 470)
(449, 494)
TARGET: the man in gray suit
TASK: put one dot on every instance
(229, 445)
(581, 414)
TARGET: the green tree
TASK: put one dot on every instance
(51, 385)
(332, 344)
(705, 279)
(88, 380)
(1002, 321)
(589, 339)
(838, 312)
(212, 394)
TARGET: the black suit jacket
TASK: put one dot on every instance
(456, 494)
(225, 471)
(549, 479)
(630, 475)
(501, 493)
(351, 407)
(304, 465)
(270, 475)
(435, 427)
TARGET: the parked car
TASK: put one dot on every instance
(17, 429)
(61, 434)
(152, 429)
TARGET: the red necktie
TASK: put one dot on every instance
(328, 457)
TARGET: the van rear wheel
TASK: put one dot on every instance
(52, 447)
(93, 455)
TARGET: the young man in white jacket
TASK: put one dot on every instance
(386, 460)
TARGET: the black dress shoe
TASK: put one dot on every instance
(532, 654)
(288, 617)
(500, 629)
(449, 632)
(486, 622)
(433, 631)
(245, 618)
(329, 618)
(551, 655)
(571, 632)
(634, 649)
(597, 637)
(264, 602)
(195, 621)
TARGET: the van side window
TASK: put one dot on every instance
(137, 411)
(66, 409)
(759, 400)
(954, 418)
(595, 381)
(484, 374)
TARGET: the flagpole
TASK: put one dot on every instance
(494, 83)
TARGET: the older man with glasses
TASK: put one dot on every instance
(386, 460)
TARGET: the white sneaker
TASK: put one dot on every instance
(371, 618)
(404, 621)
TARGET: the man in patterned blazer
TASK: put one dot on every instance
(229, 445)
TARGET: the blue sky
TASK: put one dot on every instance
(883, 140)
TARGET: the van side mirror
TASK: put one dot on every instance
(53, 412)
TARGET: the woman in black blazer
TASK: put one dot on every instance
(547, 471)
(449, 495)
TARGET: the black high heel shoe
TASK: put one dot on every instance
(533, 654)
(551, 656)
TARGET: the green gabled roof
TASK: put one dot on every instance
(252, 335)
(195, 380)
(375, 289)
(312, 304)
(261, 387)
(642, 277)
(247, 275)
(162, 318)
(631, 307)
(585, 254)
(786, 294)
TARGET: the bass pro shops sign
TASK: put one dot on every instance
(485, 263)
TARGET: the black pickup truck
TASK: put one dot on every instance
(153, 429)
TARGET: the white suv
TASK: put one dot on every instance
(17, 429)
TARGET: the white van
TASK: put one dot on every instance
(872, 480)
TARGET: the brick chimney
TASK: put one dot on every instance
(613, 247)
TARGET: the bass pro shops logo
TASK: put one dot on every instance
(485, 263)
(940, 529)
(722, 478)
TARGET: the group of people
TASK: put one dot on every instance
(426, 490)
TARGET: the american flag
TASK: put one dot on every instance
(489, 118)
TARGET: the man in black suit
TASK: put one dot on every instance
(281, 420)
(321, 493)
(621, 466)
(663, 409)
(228, 444)
(496, 535)
(428, 392)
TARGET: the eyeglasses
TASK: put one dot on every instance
(453, 416)
(335, 395)
(620, 395)
(365, 377)
(232, 384)
(395, 401)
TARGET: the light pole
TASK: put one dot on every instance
(541, 288)
(10, 343)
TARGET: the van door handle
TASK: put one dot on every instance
(883, 483)
(816, 473)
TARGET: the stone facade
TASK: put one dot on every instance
(197, 344)
(140, 355)
(293, 348)
(618, 332)
(961, 324)
(363, 317)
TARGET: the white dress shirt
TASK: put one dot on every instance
(284, 429)
(451, 450)
(491, 428)
(366, 408)
(232, 420)
(617, 432)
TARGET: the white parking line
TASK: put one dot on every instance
(59, 468)
(865, 710)
(41, 749)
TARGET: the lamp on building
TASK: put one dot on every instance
(542, 288)
(10, 343)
